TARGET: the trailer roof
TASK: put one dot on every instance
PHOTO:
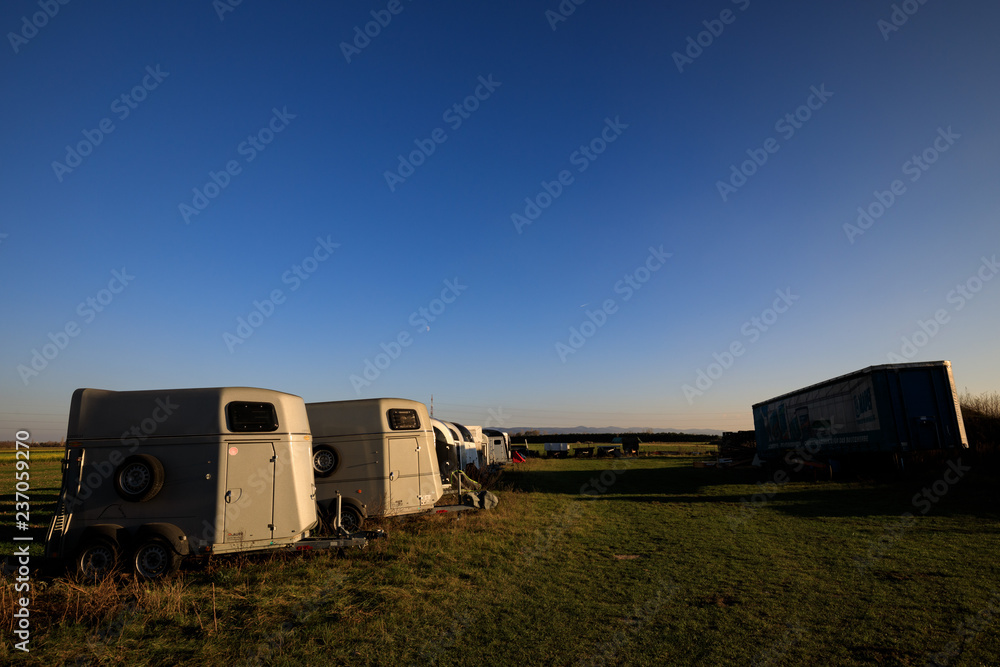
(361, 416)
(863, 371)
(100, 414)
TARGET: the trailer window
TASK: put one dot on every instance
(403, 420)
(246, 417)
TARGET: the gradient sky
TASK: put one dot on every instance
(187, 88)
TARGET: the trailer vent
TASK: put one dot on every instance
(247, 417)
(403, 420)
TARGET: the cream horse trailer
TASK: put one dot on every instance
(152, 476)
(379, 454)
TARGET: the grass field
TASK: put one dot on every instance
(600, 561)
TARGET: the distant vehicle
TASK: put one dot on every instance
(893, 409)
(379, 454)
(150, 477)
(499, 444)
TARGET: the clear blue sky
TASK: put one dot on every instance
(311, 143)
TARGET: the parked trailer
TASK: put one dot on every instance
(470, 450)
(379, 454)
(893, 409)
(449, 451)
(481, 444)
(160, 475)
(499, 444)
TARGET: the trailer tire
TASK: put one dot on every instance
(325, 460)
(139, 478)
(97, 558)
(351, 518)
(154, 558)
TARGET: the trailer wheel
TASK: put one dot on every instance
(139, 478)
(325, 460)
(351, 518)
(97, 558)
(155, 558)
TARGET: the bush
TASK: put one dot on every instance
(981, 415)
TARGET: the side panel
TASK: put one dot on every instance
(840, 417)
(362, 474)
(188, 497)
(249, 491)
(887, 409)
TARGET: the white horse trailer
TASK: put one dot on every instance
(470, 450)
(499, 445)
(159, 475)
(379, 454)
(449, 451)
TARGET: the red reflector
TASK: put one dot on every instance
(306, 548)
(442, 511)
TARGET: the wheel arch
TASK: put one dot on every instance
(174, 536)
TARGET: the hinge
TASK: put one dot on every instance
(273, 459)
(270, 526)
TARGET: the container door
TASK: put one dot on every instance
(249, 491)
(404, 474)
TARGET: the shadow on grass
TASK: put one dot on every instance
(935, 491)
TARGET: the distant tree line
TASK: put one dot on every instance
(534, 437)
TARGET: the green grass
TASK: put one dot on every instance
(662, 564)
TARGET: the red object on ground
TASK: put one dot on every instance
(518, 457)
